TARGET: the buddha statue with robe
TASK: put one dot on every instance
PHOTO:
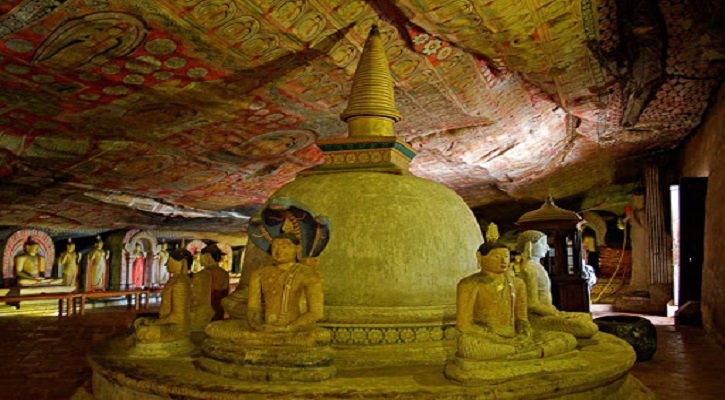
(69, 261)
(495, 338)
(29, 267)
(542, 313)
(96, 267)
(169, 333)
(285, 301)
(209, 287)
(162, 273)
(138, 266)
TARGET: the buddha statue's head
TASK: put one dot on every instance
(178, 261)
(210, 255)
(32, 247)
(99, 243)
(137, 249)
(532, 244)
(71, 247)
(164, 246)
(286, 248)
(493, 257)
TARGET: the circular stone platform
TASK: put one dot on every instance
(118, 377)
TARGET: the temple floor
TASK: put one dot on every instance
(45, 357)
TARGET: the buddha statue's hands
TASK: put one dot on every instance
(523, 328)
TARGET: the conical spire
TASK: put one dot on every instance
(371, 108)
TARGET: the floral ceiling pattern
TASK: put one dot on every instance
(148, 113)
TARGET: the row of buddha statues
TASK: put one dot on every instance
(90, 272)
(500, 317)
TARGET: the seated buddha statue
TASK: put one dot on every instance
(491, 312)
(169, 333)
(495, 338)
(29, 267)
(542, 313)
(209, 287)
(285, 302)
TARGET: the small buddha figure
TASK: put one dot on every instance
(196, 264)
(96, 267)
(68, 262)
(543, 315)
(493, 326)
(162, 272)
(138, 266)
(225, 263)
(169, 333)
(285, 302)
(29, 267)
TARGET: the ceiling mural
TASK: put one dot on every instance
(150, 113)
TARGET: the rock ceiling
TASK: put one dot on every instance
(148, 113)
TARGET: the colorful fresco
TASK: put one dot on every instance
(145, 113)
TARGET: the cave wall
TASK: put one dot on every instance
(702, 156)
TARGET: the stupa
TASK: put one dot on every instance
(399, 245)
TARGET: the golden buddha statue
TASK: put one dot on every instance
(209, 287)
(29, 267)
(169, 333)
(285, 301)
(225, 262)
(196, 263)
(542, 313)
(492, 323)
(68, 262)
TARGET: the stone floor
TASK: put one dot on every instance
(43, 357)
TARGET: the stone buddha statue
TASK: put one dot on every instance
(209, 287)
(162, 272)
(196, 263)
(493, 327)
(69, 261)
(285, 301)
(543, 315)
(225, 262)
(96, 267)
(169, 333)
(29, 267)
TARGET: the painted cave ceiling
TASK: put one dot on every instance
(149, 113)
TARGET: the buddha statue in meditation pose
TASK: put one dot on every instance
(285, 302)
(68, 262)
(209, 287)
(493, 327)
(29, 267)
(169, 333)
(542, 313)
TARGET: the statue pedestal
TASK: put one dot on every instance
(605, 377)
(40, 289)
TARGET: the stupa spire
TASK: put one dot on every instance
(371, 108)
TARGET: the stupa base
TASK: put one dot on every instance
(606, 377)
